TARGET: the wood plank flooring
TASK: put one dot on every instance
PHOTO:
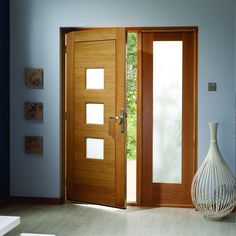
(88, 220)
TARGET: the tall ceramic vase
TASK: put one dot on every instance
(214, 188)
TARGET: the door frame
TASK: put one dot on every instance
(138, 30)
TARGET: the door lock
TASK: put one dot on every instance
(121, 118)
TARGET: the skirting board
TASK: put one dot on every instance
(4, 201)
(36, 200)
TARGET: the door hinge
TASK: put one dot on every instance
(65, 116)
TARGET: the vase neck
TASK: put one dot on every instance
(213, 131)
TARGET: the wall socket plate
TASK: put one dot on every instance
(211, 86)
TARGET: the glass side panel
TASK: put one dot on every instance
(167, 111)
(95, 113)
(94, 148)
(94, 78)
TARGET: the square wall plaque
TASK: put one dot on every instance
(33, 144)
(34, 78)
(33, 110)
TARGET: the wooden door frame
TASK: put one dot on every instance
(63, 32)
(138, 30)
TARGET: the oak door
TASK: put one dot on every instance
(169, 121)
(96, 122)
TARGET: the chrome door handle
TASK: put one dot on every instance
(114, 117)
(121, 118)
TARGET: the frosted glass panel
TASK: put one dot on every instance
(95, 78)
(167, 111)
(94, 148)
(94, 113)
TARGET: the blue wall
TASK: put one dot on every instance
(4, 99)
(35, 42)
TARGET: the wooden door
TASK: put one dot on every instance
(158, 192)
(96, 116)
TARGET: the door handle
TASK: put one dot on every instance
(121, 119)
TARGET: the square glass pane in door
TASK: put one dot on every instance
(95, 113)
(95, 148)
(95, 78)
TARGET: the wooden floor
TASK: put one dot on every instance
(77, 220)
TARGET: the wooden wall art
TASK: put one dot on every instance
(34, 78)
(33, 110)
(34, 145)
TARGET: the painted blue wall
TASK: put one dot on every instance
(35, 38)
(4, 99)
